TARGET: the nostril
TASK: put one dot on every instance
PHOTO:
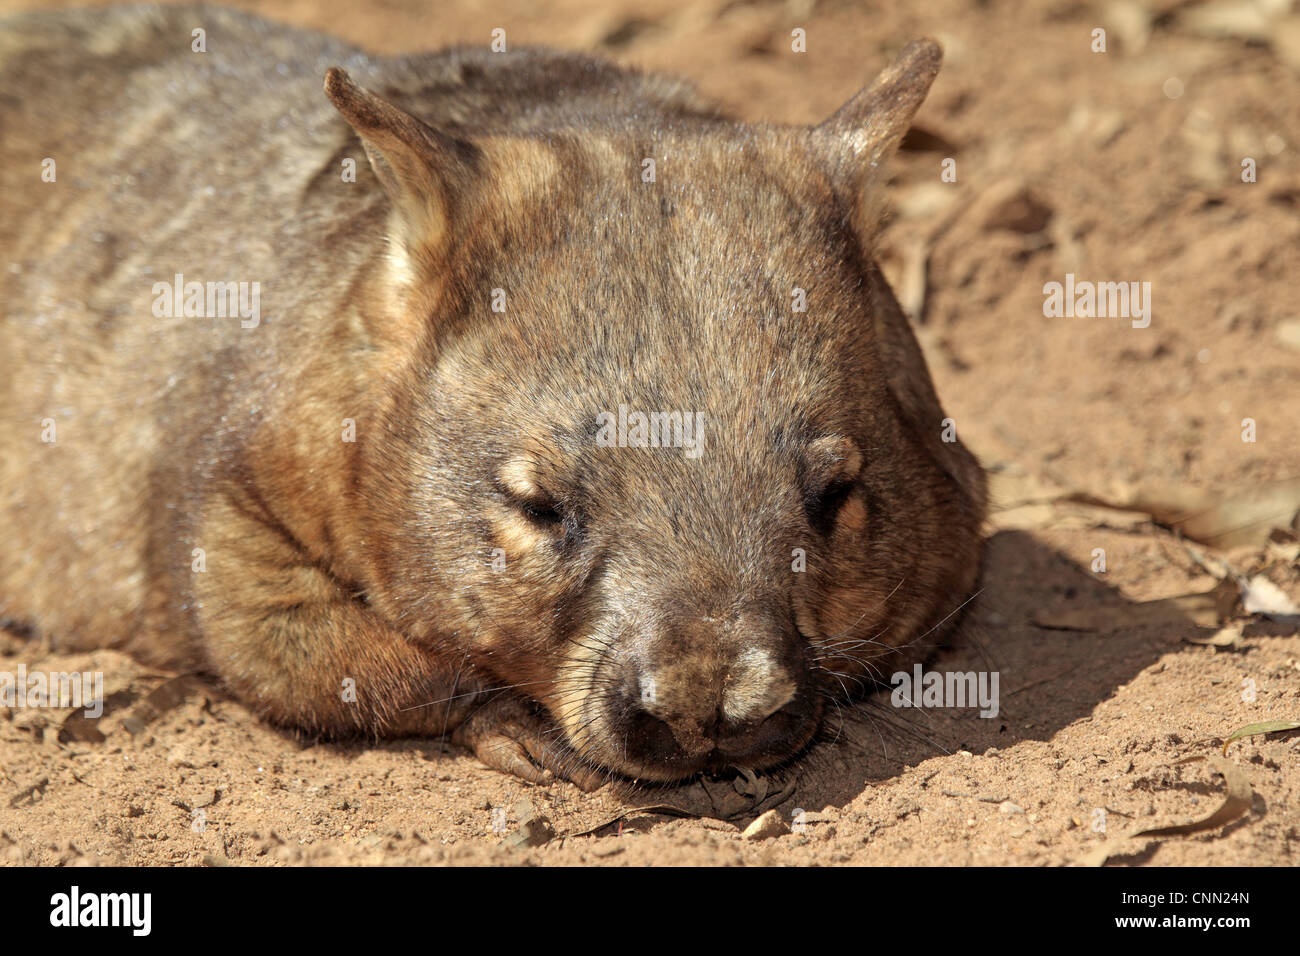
(768, 733)
(651, 734)
(657, 725)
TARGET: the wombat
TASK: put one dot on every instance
(513, 396)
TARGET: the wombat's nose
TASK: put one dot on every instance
(678, 713)
(745, 702)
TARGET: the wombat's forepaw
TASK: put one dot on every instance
(507, 735)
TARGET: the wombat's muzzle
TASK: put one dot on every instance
(685, 749)
(681, 717)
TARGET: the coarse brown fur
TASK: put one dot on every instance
(499, 274)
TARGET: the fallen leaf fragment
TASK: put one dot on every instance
(664, 809)
(1022, 211)
(1259, 595)
(1205, 609)
(1229, 636)
(534, 832)
(166, 696)
(1236, 802)
(79, 728)
(1266, 727)
(1245, 518)
(29, 795)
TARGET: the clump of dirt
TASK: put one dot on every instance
(1127, 165)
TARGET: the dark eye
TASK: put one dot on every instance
(823, 506)
(541, 511)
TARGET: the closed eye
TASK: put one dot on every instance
(518, 485)
(542, 512)
(823, 507)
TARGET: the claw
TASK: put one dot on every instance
(506, 735)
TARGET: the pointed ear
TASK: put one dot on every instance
(421, 169)
(859, 139)
(865, 132)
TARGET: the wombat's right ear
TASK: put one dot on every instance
(861, 136)
(865, 132)
(421, 169)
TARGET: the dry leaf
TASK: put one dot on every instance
(1234, 804)
(1011, 486)
(1267, 727)
(1205, 609)
(30, 794)
(1219, 569)
(1229, 636)
(166, 696)
(1022, 212)
(1065, 516)
(1259, 595)
(912, 285)
(1101, 855)
(749, 784)
(664, 809)
(1286, 551)
(1245, 518)
(79, 728)
(778, 798)
(1224, 19)
(531, 833)
(924, 200)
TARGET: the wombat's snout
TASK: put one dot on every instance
(680, 710)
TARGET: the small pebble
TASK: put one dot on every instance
(768, 825)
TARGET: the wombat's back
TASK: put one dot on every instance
(221, 166)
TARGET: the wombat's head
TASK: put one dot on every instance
(662, 454)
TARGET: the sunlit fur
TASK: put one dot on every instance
(420, 562)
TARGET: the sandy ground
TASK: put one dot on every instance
(1115, 166)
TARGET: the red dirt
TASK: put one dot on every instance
(1140, 186)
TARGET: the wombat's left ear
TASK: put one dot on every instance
(421, 169)
(865, 132)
